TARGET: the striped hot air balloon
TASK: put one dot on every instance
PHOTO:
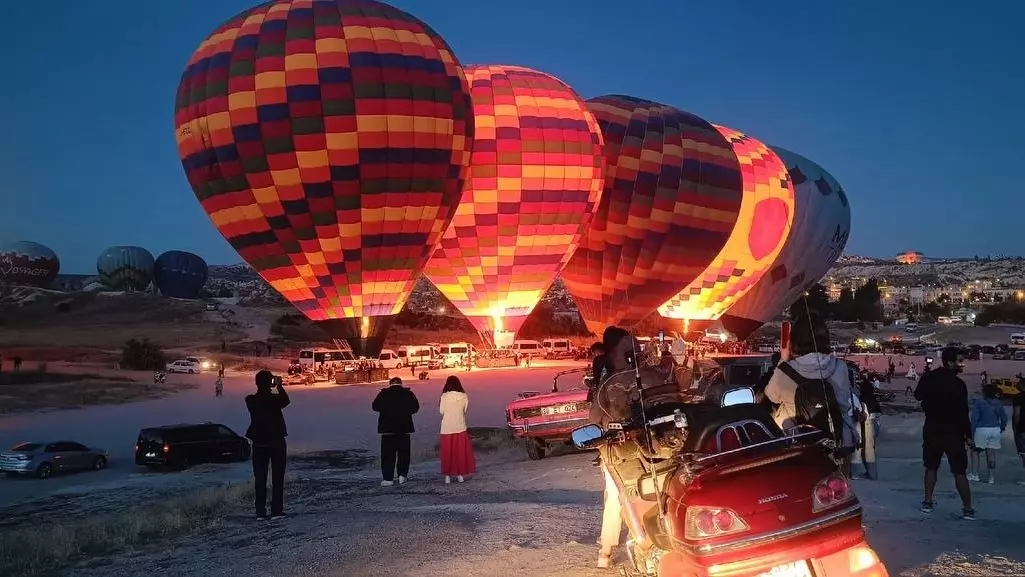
(328, 140)
(822, 223)
(535, 179)
(672, 196)
(125, 268)
(766, 214)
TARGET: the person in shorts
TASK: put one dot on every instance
(947, 430)
(988, 423)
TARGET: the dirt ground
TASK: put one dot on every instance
(37, 391)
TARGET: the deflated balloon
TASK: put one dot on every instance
(672, 196)
(534, 182)
(328, 141)
(27, 263)
(766, 215)
(180, 274)
(822, 223)
(125, 268)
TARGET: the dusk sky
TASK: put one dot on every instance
(914, 106)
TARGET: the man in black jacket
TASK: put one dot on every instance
(395, 406)
(267, 431)
(947, 429)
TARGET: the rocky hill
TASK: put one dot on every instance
(1005, 271)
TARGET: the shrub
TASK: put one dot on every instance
(142, 355)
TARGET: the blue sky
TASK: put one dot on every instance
(915, 106)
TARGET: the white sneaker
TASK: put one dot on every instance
(401, 479)
(460, 479)
(972, 477)
(387, 483)
(448, 479)
(991, 480)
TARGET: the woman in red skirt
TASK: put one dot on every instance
(457, 458)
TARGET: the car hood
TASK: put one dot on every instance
(548, 399)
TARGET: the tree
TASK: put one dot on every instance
(845, 308)
(867, 302)
(816, 299)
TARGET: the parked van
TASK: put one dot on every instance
(322, 357)
(1017, 341)
(416, 355)
(528, 348)
(456, 354)
(389, 359)
(557, 348)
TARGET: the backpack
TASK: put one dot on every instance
(815, 401)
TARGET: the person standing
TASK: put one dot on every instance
(947, 429)
(872, 410)
(219, 387)
(457, 459)
(267, 431)
(395, 406)
(989, 420)
(1018, 422)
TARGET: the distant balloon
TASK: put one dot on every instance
(125, 268)
(822, 223)
(27, 263)
(672, 197)
(766, 214)
(535, 179)
(179, 274)
(328, 141)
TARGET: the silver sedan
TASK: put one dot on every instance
(45, 459)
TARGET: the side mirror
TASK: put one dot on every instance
(738, 397)
(587, 437)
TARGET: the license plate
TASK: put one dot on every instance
(151, 454)
(795, 569)
(554, 410)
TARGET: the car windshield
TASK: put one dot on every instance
(26, 447)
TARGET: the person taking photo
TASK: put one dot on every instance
(267, 431)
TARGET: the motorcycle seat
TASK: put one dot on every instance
(705, 422)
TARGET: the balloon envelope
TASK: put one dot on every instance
(766, 215)
(822, 223)
(535, 179)
(27, 263)
(671, 197)
(125, 268)
(328, 141)
(180, 274)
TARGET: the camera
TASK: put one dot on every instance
(275, 381)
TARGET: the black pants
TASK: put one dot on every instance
(273, 455)
(394, 454)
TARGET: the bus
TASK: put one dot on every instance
(321, 357)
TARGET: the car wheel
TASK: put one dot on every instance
(183, 463)
(100, 464)
(192, 372)
(44, 470)
(535, 449)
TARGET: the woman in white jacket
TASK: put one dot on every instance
(457, 459)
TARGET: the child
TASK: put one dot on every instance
(219, 387)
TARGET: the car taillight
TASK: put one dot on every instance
(167, 448)
(707, 522)
(863, 562)
(830, 492)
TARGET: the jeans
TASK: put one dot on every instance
(272, 454)
(394, 454)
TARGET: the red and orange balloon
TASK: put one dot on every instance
(535, 179)
(328, 141)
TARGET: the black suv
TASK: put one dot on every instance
(183, 445)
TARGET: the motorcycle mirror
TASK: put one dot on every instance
(587, 437)
(738, 397)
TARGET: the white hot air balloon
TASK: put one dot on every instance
(822, 223)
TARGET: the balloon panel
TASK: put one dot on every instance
(766, 215)
(27, 263)
(671, 198)
(180, 274)
(822, 224)
(535, 178)
(328, 142)
(125, 268)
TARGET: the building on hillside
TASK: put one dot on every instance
(910, 257)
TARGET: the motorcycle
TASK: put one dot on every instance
(720, 489)
(159, 377)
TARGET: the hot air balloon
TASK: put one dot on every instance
(672, 196)
(179, 274)
(125, 268)
(766, 214)
(822, 223)
(535, 179)
(328, 141)
(27, 263)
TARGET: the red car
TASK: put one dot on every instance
(543, 420)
